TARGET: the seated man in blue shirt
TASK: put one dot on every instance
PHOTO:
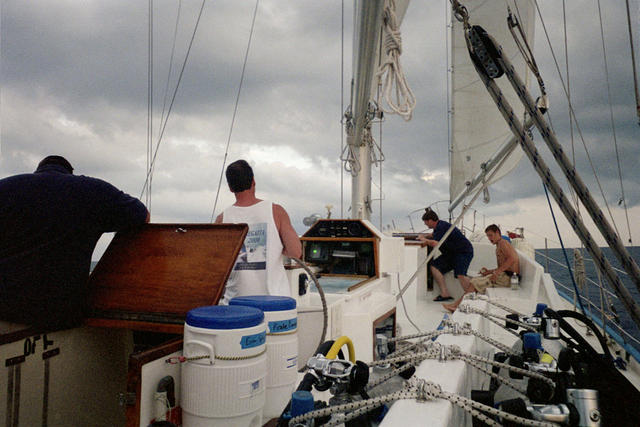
(51, 221)
(456, 254)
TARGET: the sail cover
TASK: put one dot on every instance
(477, 127)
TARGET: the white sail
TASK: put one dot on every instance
(477, 128)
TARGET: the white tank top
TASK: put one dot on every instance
(259, 268)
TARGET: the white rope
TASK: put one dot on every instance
(450, 328)
(452, 352)
(395, 89)
(421, 390)
(468, 309)
(579, 273)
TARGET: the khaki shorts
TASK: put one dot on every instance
(484, 282)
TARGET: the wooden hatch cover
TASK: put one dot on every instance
(149, 278)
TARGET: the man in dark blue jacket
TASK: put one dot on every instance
(456, 250)
(51, 221)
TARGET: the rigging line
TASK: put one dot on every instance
(564, 251)
(633, 62)
(566, 62)
(342, 128)
(613, 125)
(573, 114)
(525, 49)
(173, 48)
(381, 193)
(166, 89)
(380, 110)
(149, 98)
(448, 33)
(235, 108)
(173, 98)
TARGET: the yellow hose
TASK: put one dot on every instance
(337, 345)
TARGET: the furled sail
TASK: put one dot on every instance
(477, 128)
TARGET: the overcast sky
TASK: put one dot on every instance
(74, 83)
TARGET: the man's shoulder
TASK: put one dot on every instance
(441, 226)
(278, 208)
(278, 212)
(93, 181)
(504, 244)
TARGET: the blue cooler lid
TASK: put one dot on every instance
(265, 302)
(224, 317)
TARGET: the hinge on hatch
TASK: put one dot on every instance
(128, 398)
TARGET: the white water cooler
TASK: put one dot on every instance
(282, 348)
(223, 378)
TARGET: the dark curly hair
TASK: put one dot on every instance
(429, 215)
(239, 176)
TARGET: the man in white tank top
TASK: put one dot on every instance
(259, 269)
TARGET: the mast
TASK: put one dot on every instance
(368, 22)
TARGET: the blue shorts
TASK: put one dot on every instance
(458, 262)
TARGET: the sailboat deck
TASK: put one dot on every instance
(454, 375)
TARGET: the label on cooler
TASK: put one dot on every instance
(254, 340)
(280, 326)
(291, 362)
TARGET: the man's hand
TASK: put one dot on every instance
(432, 243)
(494, 277)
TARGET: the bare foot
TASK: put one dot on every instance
(450, 307)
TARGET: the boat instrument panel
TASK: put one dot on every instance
(343, 248)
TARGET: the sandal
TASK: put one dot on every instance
(440, 298)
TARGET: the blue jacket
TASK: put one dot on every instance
(50, 222)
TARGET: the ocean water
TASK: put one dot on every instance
(561, 274)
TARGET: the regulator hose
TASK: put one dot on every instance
(325, 312)
(309, 379)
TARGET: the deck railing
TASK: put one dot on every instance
(596, 310)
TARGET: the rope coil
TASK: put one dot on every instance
(390, 71)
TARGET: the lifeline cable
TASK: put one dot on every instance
(564, 252)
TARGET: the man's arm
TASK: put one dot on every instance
(219, 219)
(429, 242)
(288, 236)
(112, 208)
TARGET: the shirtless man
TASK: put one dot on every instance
(508, 265)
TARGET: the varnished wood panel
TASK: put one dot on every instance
(168, 328)
(165, 270)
